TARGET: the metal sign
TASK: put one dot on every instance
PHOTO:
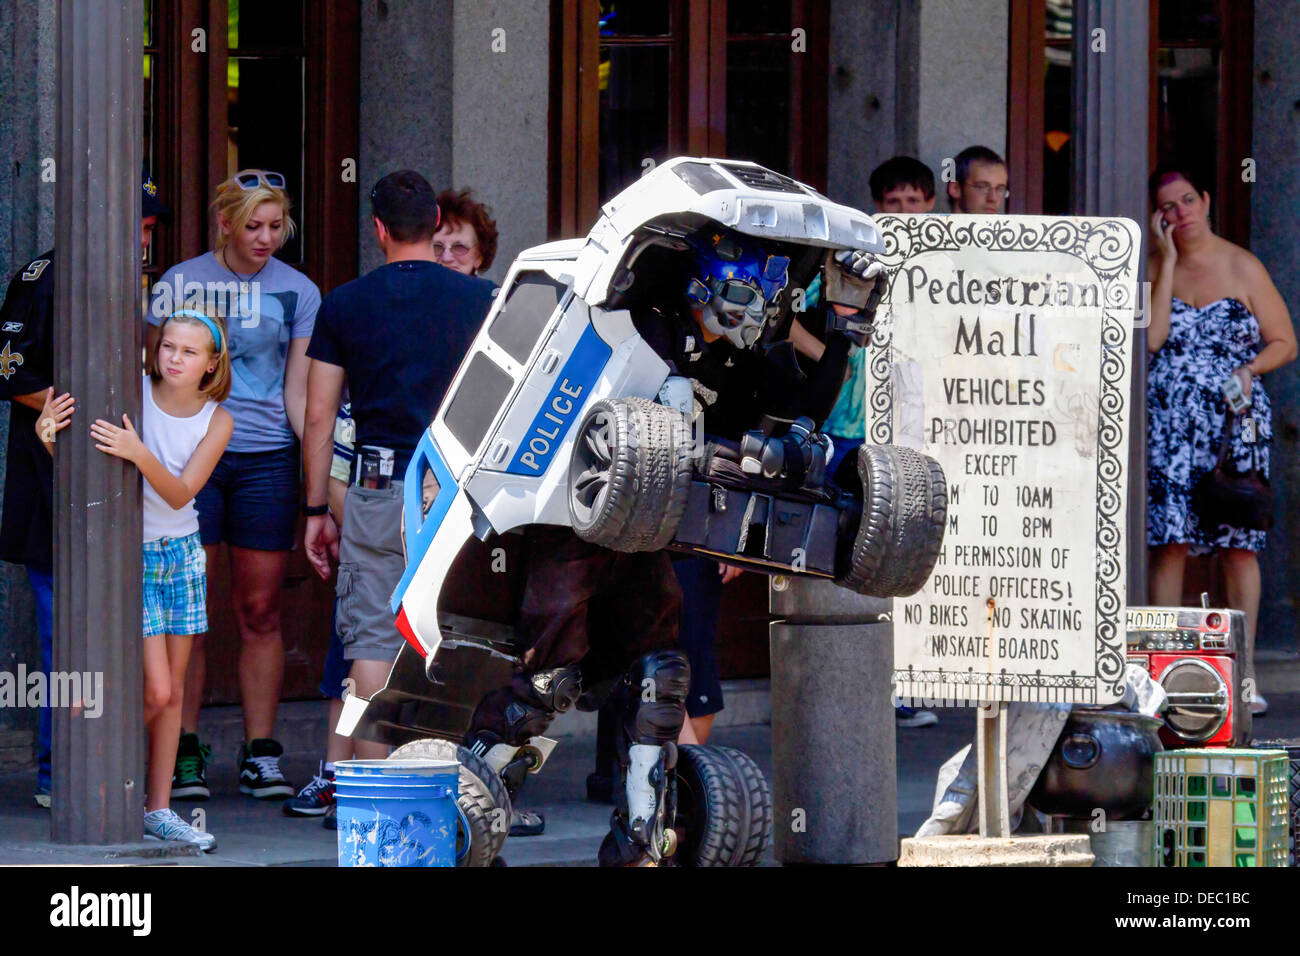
(1004, 351)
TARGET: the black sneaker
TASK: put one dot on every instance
(331, 821)
(315, 799)
(189, 782)
(259, 770)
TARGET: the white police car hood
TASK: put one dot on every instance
(742, 196)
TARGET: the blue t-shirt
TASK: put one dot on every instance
(399, 333)
(262, 316)
(848, 419)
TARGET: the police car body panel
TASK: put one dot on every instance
(504, 431)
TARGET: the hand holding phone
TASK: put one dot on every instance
(1164, 230)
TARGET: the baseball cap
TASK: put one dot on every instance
(149, 205)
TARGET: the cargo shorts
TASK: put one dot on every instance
(371, 563)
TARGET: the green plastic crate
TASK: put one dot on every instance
(1218, 807)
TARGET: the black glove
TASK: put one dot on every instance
(798, 457)
(854, 278)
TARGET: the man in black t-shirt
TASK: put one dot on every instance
(396, 336)
(26, 372)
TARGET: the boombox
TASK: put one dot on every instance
(1198, 656)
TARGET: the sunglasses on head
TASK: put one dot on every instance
(247, 181)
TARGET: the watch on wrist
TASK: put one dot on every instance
(315, 511)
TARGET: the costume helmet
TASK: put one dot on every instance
(735, 283)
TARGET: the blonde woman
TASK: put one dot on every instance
(251, 500)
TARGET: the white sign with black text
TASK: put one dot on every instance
(1003, 350)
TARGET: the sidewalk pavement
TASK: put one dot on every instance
(256, 833)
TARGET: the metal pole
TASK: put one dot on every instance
(98, 763)
(835, 768)
(1111, 66)
(991, 752)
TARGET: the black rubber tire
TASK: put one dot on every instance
(483, 798)
(630, 474)
(724, 808)
(904, 510)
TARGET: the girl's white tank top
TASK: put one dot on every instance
(172, 441)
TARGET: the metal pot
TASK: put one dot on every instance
(1103, 759)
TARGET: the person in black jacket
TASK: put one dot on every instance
(26, 373)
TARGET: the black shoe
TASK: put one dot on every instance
(315, 799)
(525, 823)
(259, 770)
(600, 788)
(189, 781)
(331, 821)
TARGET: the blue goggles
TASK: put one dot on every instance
(740, 289)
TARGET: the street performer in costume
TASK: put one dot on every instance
(588, 611)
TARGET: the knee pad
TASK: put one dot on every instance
(657, 685)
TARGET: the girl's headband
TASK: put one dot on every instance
(212, 326)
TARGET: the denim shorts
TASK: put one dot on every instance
(175, 586)
(251, 500)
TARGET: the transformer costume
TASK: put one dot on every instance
(709, 330)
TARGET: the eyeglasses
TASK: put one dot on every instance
(989, 189)
(458, 250)
(248, 181)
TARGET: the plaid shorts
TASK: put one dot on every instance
(175, 586)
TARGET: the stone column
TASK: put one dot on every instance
(98, 763)
(835, 786)
(1111, 66)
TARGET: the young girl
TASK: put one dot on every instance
(182, 435)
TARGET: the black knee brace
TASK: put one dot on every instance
(655, 702)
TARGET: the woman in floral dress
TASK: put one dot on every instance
(1215, 313)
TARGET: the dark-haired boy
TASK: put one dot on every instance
(902, 184)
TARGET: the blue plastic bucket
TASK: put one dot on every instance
(397, 812)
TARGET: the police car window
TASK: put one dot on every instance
(521, 321)
(483, 388)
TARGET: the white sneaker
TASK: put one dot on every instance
(165, 824)
(1258, 705)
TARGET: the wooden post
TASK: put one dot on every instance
(98, 763)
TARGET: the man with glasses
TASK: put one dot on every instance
(981, 182)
